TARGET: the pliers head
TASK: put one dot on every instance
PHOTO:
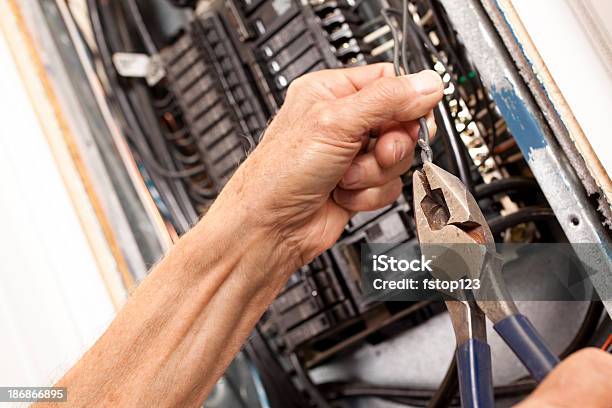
(452, 230)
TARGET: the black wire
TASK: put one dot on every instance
(206, 193)
(417, 38)
(586, 330)
(448, 388)
(505, 185)
(157, 168)
(146, 119)
(430, 47)
(405, 17)
(140, 99)
(335, 391)
(145, 35)
(311, 388)
(280, 390)
(464, 65)
(448, 395)
(127, 117)
(400, 47)
(521, 216)
(396, 42)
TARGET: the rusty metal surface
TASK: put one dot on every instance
(547, 160)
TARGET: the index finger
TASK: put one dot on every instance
(346, 81)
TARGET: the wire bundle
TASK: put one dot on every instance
(134, 110)
(400, 61)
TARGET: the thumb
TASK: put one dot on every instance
(386, 100)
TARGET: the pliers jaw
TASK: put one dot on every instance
(450, 226)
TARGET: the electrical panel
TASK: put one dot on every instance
(227, 73)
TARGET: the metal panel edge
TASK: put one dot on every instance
(546, 159)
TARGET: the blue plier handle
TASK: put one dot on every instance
(474, 360)
(448, 217)
(473, 354)
(524, 340)
(475, 374)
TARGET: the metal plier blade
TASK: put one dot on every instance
(449, 223)
(445, 210)
(454, 233)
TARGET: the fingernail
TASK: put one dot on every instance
(352, 175)
(399, 151)
(426, 82)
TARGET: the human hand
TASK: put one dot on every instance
(581, 380)
(317, 164)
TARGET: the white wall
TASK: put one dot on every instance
(53, 302)
(577, 66)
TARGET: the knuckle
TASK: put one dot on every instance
(299, 84)
(324, 116)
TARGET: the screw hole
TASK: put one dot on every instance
(575, 221)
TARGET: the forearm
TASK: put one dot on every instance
(288, 202)
(186, 321)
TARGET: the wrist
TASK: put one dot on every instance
(235, 232)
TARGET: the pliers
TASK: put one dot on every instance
(454, 233)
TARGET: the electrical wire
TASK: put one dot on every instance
(310, 387)
(400, 51)
(423, 137)
(280, 390)
(396, 41)
(505, 185)
(418, 396)
(464, 66)
(586, 330)
(130, 124)
(521, 216)
(607, 344)
(137, 143)
(443, 396)
(446, 394)
(140, 98)
(405, 17)
(422, 61)
(430, 47)
(145, 35)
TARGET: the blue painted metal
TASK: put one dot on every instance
(519, 119)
